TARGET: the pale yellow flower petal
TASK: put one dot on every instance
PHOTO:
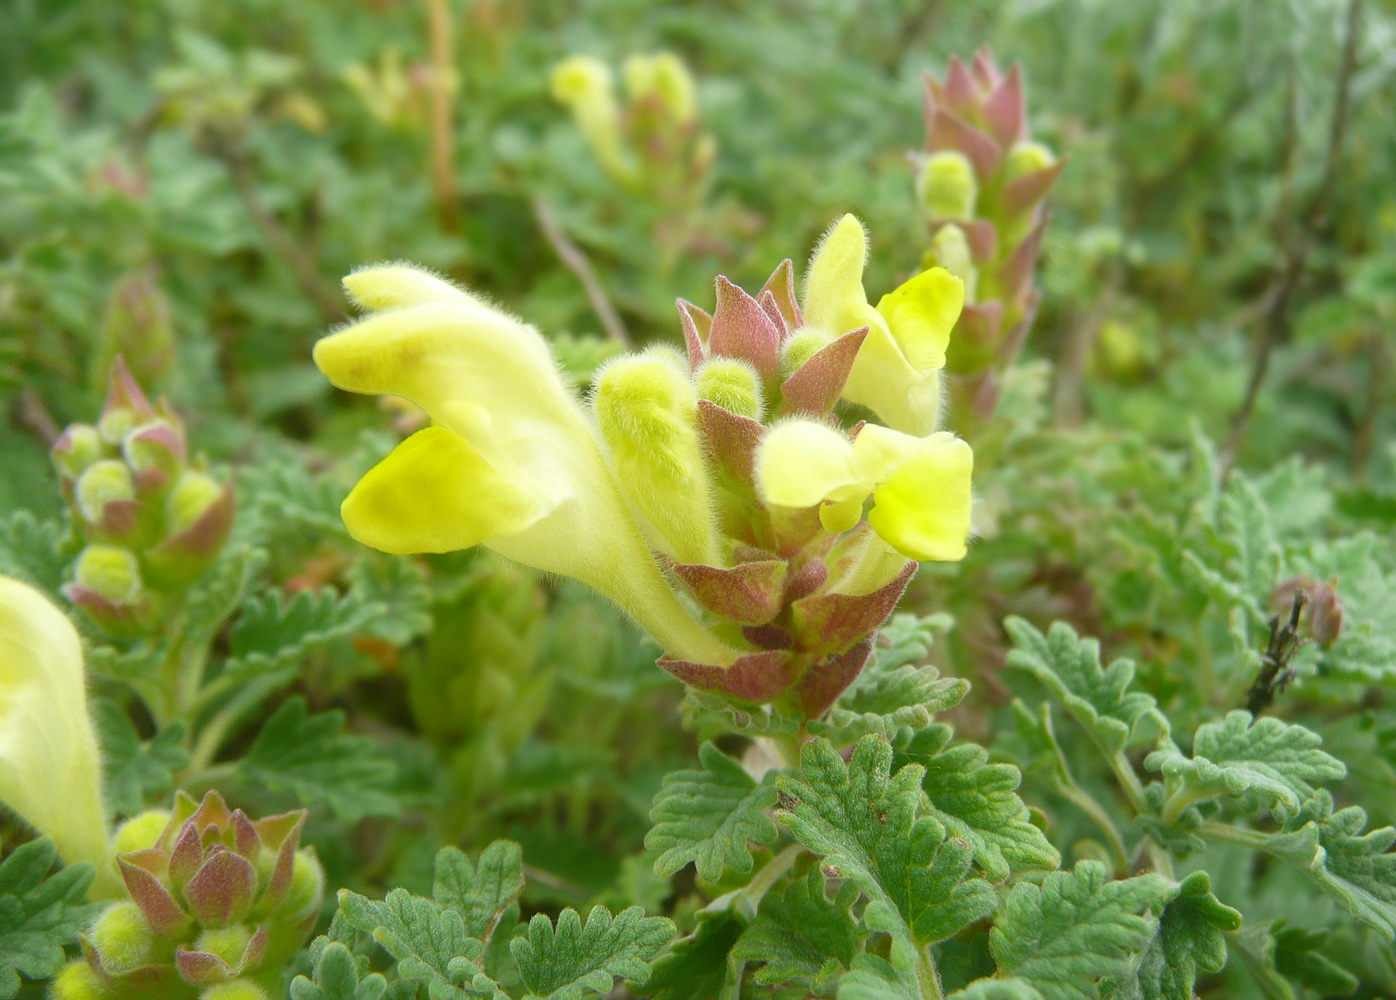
(834, 298)
(923, 509)
(921, 314)
(387, 286)
(802, 463)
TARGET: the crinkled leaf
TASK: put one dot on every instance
(483, 893)
(703, 710)
(1069, 667)
(276, 632)
(803, 938)
(35, 551)
(698, 965)
(397, 587)
(978, 803)
(132, 769)
(1366, 646)
(997, 989)
(1075, 929)
(1191, 936)
(311, 757)
(709, 816)
(573, 959)
(1299, 955)
(875, 978)
(39, 913)
(337, 978)
(862, 821)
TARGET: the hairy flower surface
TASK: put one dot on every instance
(50, 772)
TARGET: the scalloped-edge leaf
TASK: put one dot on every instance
(573, 959)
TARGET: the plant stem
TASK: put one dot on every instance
(1212, 830)
(440, 36)
(1086, 802)
(576, 261)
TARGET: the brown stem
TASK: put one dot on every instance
(440, 30)
(1277, 321)
(31, 414)
(576, 261)
(282, 243)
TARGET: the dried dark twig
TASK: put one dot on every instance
(1275, 671)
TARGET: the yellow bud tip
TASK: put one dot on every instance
(307, 884)
(78, 448)
(947, 188)
(799, 347)
(194, 494)
(1026, 157)
(228, 943)
(665, 76)
(111, 572)
(123, 939)
(102, 483)
(579, 78)
(732, 384)
(238, 989)
(388, 286)
(950, 250)
(140, 832)
(78, 981)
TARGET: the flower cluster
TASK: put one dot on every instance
(153, 520)
(653, 141)
(980, 186)
(218, 904)
(714, 495)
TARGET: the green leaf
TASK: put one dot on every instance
(1366, 646)
(1253, 557)
(861, 820)
(802, 937)
(313, 759)
(567, 962)
(1069, 667)
(482, 893)
(132, 770)
(220, 592)
(893, 697)
(397, 587)
(37, 552)
(997, 989)
(40, 913)
(428, 941)
(709, 816)
(1299, 954)
(1075, 929)
(276, 632)
(875, 978)
(1354, 867)
(698, 965)
(978, 803)
(1191, 936)
(337, 978)
(1281, 761)
(705, 711)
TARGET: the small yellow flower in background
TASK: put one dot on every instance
(50, 771)
(511, 461)
(920, 486)
(585, 87)
(665, 78)
(897, 373)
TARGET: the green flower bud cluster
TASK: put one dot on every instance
(136, 325)
(152, 519)
(980, 186)
(652, 140)
(218, 904)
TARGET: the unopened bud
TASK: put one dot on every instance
(155, 450)
(123, 939)
(733, 385)
(140, 832)
(78, 981)
(78, 447)
(307, 885)
(947, 188)
(647, 412)
(104, 482)
(136, 325)
(228, 943)
(110, 572)
(799, 347)
(666, 78)
(1026, 158)
(190, 499)
(950, 250)
(238, 989)
(584, 85)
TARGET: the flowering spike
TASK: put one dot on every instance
(985, 70)
(731, 442)
(772, 309)
(187, 856)
(833, 623)
(977, 338)
(806, 580)
(1015, 276)
(1004, 111)
(749, 593)
(822, 684)
(960, 94)
(815, 386)
(781, 286)
(221, 892)
(741, 329)
(753, 678)
(949, 130)
(163, 913)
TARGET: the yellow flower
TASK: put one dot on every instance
(920, 485)
(584, 86)
(50, 772)
(897, 373)
(511, 461)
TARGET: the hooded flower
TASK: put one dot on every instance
(50, 772)
(511, 460)
(897, 372)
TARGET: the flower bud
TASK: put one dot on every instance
(190, 500)
(947, 188)
(78, 981)
(1025, 158)
(123, 939)
(155, 452)
(665, 78)
(140, 832)
(584, 85)
(799, 347)
(733, 385)
(307, 889)
(136, 326)
(105, 482)
(238, 989)
(950, 250)
(647, 411)
(79, 447)
(228, 943)
(111, 573)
